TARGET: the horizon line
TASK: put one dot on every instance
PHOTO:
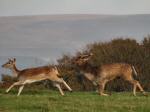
(92, 14)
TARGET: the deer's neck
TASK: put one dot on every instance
(90, 69)
(15, 71)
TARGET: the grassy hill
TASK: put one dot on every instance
(51, 101)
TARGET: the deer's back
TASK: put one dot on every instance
(115, 69)
(34, 72)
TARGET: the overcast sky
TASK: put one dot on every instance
(22, 35)
(37, 7)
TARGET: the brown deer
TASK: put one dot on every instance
(30, 75)
(101, 75)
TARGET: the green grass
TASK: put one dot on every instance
(51, 101)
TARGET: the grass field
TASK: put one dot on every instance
(51, 101)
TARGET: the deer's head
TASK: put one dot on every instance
(10, 63)
(83, 59)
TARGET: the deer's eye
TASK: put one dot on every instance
(9, 62)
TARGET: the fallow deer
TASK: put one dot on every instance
(30, 75)
(101, 75)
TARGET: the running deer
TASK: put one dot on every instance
(30, 75)
(101, 75)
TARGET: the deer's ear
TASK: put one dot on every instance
(9, 59)
(14, 59)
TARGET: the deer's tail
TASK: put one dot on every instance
(135, 72)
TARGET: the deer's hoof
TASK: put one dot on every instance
(71, 91)
(103, 94)
(145, 94)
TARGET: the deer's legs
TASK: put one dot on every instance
(20, 90)
(135, 85)
(102, 87)
(60, 90)
(67, 86)
(140, 87)
(134, 89)
(14, 84)
(25, 82)
(60, 80)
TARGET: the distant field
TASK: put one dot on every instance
(51, 101)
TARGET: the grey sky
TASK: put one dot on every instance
(37, 7)
(49, 37)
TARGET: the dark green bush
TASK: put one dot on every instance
(118, 50)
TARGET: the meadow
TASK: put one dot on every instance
(51, 101)
(83, 99)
